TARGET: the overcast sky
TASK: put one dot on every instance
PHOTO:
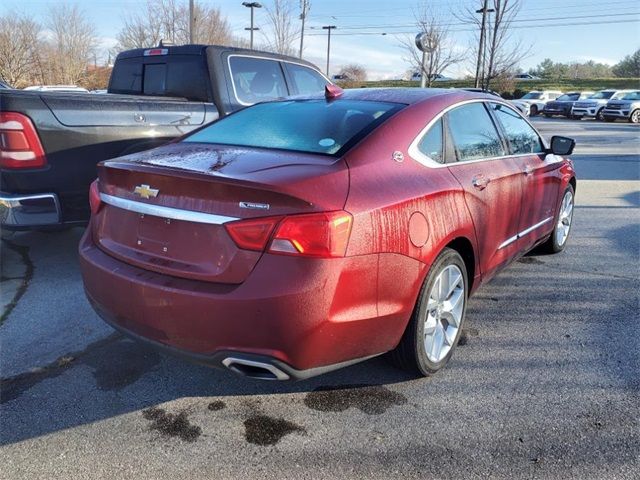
(607, 31)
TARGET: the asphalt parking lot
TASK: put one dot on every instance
(545, 383)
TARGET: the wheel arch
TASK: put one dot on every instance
(464, 247)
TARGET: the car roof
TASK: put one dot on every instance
(405, 95)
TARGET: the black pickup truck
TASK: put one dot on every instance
(50, 143)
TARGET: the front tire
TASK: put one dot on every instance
(635, 116)
(564, 220)
(600, 115)
(533, 111)
(438, 317)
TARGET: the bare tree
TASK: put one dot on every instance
(168, 20)
(72, 45)
(19, 40)
(354, 72)
(283, 31)
(502, 53)
(441, 55)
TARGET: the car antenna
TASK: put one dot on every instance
(331, 92)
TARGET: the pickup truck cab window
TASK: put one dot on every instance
(256, 79)
(521, 136)
(431, 143)
(473, 133)
(155, 79)
(305, 80)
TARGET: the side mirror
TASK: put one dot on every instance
(562, 145)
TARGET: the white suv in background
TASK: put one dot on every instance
(593, 106)
(533, 102)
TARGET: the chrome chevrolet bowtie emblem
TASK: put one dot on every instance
(145, 191)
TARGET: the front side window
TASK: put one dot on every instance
(257, 79)
(306, 80)
(522, 138)
(473, 133)
(313, 126)
(431, 144)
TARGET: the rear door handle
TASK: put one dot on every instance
(480, 182)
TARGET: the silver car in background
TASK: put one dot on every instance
(593, 106)
(627, 108)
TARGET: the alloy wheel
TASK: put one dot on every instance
(444, 313)
(635, 117)
(564, 218)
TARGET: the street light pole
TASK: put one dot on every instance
(484, 10)
(328, 28)
(304, 4)
(192, 22)
(252, 5)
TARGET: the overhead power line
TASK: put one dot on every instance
(518, 27)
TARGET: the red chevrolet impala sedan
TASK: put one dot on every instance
(299, 236)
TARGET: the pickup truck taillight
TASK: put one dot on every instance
(323, 235)
(20, 145)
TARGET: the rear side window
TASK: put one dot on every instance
(473, 133)
(431, 144)
(522, 138)
(306, 80)
(257, 79)
(313, 126)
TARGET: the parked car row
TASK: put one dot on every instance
(605, 105)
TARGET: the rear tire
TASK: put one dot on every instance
(438, 317)
(563, 223)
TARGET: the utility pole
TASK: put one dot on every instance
(251, 5)
(304, 5)
(192, 22)
(328, 28)
(484, 10)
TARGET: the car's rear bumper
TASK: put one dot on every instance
(29, 211)
(305, 316)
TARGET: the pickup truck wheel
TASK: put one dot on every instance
(635, 116)
(564, 219)
(438, 317)
(600, 115)
(533, 111)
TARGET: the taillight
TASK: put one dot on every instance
(94, 197)
(20, 146)
(252, 234)
(322, 235)
(316, 235)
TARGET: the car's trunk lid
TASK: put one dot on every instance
(180, 231)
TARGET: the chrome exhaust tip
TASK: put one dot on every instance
(253, 369)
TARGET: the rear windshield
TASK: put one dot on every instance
(183, 76)
(532, 95)
(312, 126)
